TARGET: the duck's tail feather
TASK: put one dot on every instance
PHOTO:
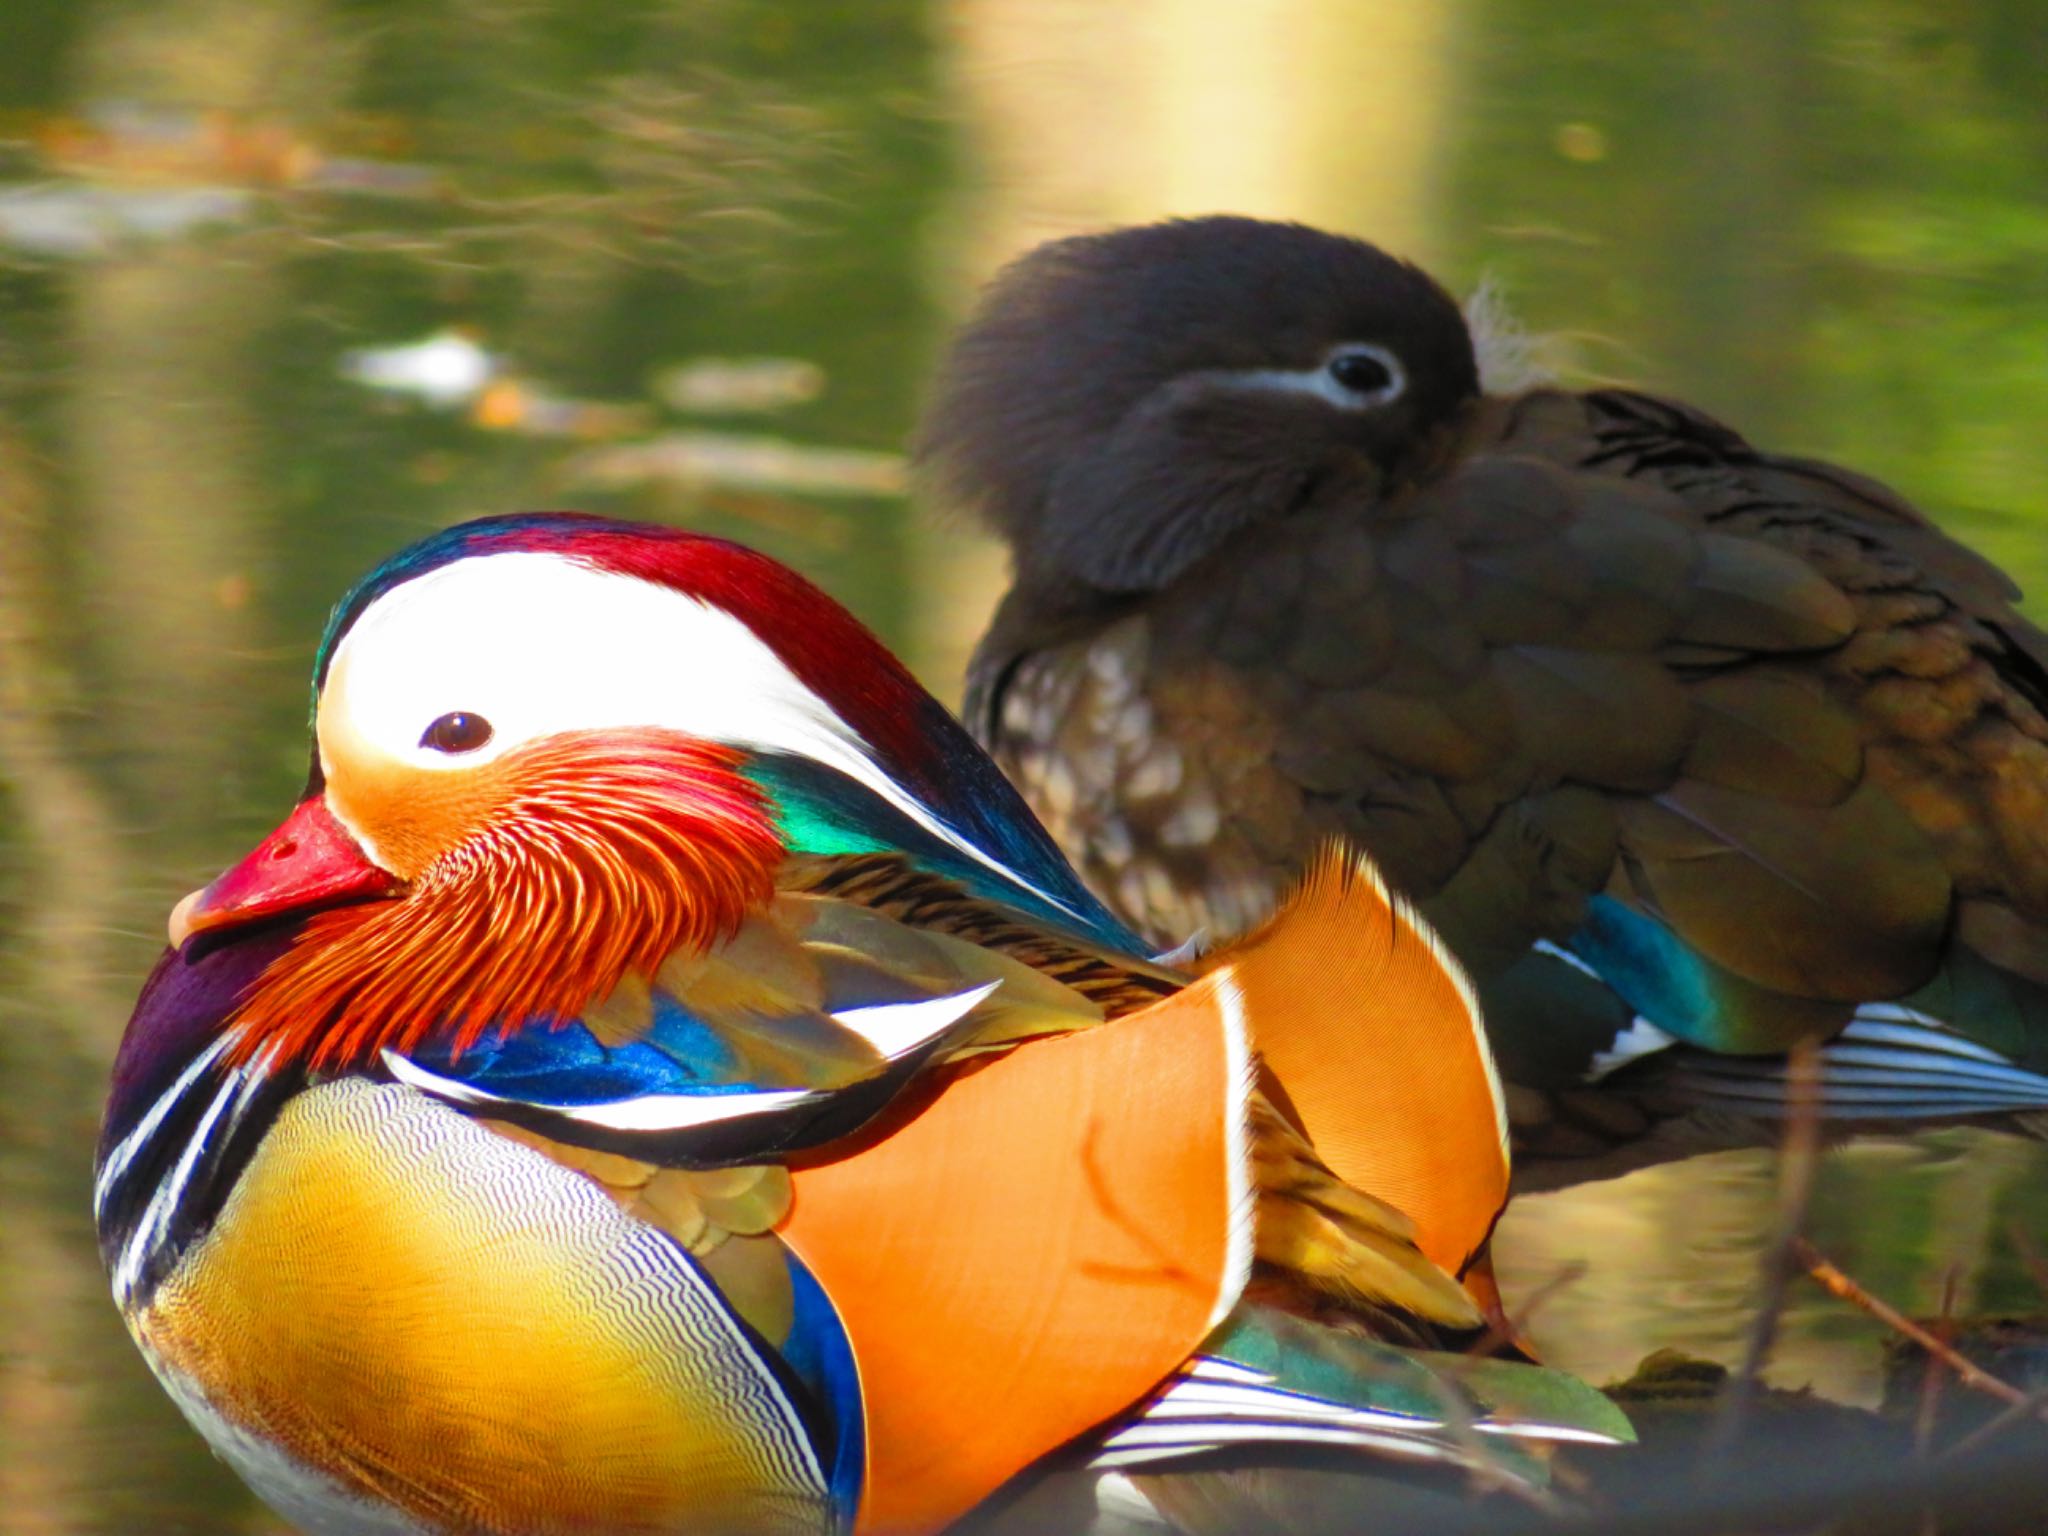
(1890, 1063)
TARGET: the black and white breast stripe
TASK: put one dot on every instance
(160, 1186)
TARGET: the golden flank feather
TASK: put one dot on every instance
(1338, 1240)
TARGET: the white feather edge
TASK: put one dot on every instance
(1239, 1191)
(1193, 1416)
(897, 1029)
(650, 1112)
(125, 1150)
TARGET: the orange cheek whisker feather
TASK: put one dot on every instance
(587, 867)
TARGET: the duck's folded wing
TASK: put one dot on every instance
(795, 1032)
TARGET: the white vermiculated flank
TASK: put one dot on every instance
(1237, 1263)
(311, 1500)
(540, 645)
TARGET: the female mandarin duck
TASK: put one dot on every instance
(660, 1078)
(1691, 752)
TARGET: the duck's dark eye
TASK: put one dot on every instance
(457, 732)
(1363, 373)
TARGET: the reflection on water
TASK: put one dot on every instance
(685, 259)
(1670, 1254)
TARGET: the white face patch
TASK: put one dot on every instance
(538, 645)
(1322, 382)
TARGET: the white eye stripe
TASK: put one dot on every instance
(1319, 383)
(537, 645)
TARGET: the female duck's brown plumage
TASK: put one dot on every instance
(1660, 729)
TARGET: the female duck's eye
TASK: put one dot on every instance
(457, 732)
(1372, 373)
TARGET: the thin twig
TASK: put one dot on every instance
(1798, 1161)
(1930, 1394)
(1498, 1337)
(1832, 1280)
(1484, 1464)
(1931, 1380)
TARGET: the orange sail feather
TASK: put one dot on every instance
(1045, 1242)
(1375, 1038)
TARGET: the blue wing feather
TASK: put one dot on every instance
(564, 1066)
(678, 1094)
(819, 1353)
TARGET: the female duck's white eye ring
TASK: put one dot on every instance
(1355, 376)
(1371, 375)
(456, 732)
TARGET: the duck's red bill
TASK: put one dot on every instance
(307, 863)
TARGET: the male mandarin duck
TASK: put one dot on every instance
(1691, 752)
(661, 1078)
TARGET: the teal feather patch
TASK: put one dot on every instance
(1270, 1379)
(822, 811)
(1652, 969)
(1314, 1362)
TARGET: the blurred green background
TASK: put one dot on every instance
(689, 260)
